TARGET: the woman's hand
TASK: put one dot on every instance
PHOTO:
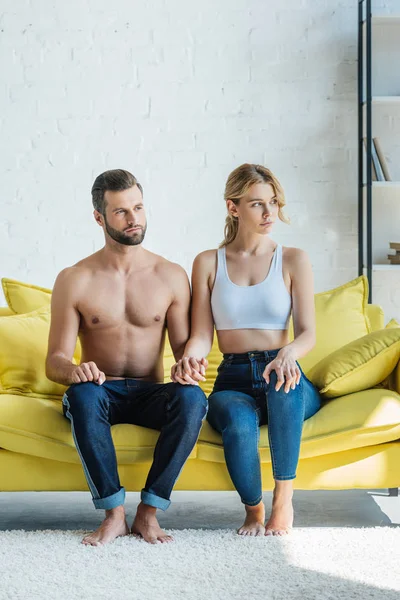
(189, 370)
(286, 368)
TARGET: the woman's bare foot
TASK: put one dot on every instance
(281, 519)
(113, 526)
(254, 522)
(146, 526)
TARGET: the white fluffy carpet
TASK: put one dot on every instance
(323, 563)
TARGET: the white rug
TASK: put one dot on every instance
(323, 563)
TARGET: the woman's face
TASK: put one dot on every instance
(258, 210)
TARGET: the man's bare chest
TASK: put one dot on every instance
(140, 304)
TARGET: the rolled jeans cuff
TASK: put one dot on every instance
(153, 500)
(111, 501)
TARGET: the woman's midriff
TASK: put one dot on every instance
(236, 341)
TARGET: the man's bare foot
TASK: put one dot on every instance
(146, 526)
(113, 526)
(281, 519)
(254, 522)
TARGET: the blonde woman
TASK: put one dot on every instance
(248, 289)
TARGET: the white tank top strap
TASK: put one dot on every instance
(277, 260)
(221, 263)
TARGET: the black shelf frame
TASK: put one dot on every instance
(365, 123)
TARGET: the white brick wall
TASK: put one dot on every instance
(179, 93)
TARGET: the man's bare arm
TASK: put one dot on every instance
(63, 336)
(178, 314)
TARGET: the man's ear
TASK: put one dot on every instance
(98, 217)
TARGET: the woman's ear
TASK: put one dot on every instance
(232, 208)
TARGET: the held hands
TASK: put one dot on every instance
(88, 372)
(287, 371)
(189, 370)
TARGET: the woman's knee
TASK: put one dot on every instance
(230, 416)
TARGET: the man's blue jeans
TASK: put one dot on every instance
(241, 401)
(176, 410)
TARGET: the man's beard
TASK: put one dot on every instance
(134, 239)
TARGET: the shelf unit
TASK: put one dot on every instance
(378, 201)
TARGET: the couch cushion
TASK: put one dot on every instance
(361, 419)
(340, 318)
(38, 427)
(24, 297)
(376, 316)
(393, 323)
(23, 349)
(359, 365)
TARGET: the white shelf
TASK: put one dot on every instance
(383, 267)
(385, 100)
(384, 20)
(386, 184)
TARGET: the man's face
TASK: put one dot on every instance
(125, 217)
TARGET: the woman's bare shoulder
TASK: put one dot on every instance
(296, 260)
(294, 254)
(206, 258)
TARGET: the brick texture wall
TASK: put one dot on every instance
(180, 93)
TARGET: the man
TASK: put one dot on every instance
(120, 301)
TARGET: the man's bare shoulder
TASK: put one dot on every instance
(168, 269)
(76, 274)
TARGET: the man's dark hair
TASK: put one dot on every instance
(115, 180)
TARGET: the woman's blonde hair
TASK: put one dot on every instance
(237, 186)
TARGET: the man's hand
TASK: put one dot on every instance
(287, 371)
(88, 372)
(189, 370)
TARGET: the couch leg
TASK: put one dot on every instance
(393, 491)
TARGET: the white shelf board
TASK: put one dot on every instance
(384, 100)
(384, 184)
(384, 20)
(383, 267)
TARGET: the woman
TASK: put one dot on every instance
(248, 288)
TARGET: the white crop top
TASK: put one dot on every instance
(266, 305)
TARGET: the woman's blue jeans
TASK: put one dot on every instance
(241, 401)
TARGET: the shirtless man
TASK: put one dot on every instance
(120, 301)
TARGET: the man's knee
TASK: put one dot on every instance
(83, 398)
(192, 401)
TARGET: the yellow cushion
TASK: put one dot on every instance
(392, 323)
(214, 359)
(340, 318)
(362, 419)
(376, 317)
(37, 426)
(23, 349)
(24, 297)
(5, 311)
(359, 365)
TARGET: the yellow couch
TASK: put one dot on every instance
(352, 442)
